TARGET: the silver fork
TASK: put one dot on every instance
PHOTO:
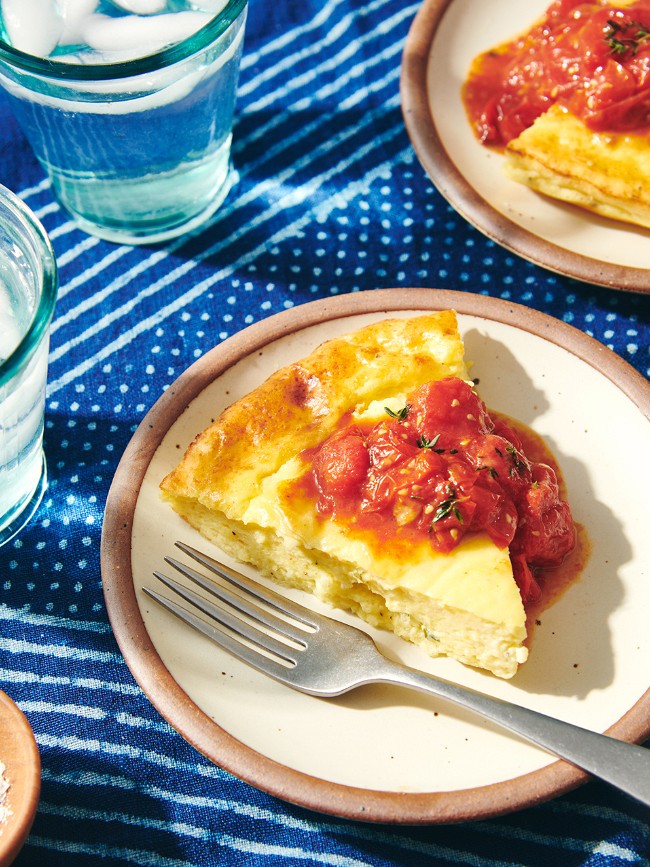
(323, 657)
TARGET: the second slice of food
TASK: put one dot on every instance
(568, 101)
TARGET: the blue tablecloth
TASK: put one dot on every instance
(330, 199)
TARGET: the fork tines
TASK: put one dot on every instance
(247, 617)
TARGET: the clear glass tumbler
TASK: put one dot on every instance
(28, 288)
(138, 151)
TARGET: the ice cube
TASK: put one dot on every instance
(33, 26)
(75, 13)
(141, 36)
(141, 7)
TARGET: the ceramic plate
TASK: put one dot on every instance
(445, 37)
(384, 754)
(20, 779)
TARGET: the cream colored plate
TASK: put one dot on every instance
(445, 37)
(382, 753)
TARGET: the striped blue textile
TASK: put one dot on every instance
(330, 199)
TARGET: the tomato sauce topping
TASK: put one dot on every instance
(592, 58)
(439, 469)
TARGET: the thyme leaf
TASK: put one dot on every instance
(424, 443)
(518, 464)
(446, 508)
(401, 414)
(624, 37)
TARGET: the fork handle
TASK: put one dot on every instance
(625, 766)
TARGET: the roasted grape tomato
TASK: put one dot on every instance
(440, 469)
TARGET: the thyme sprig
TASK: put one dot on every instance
(425, 443)
(448, 507)
(401, 414)
(624, 37)
(518, 465)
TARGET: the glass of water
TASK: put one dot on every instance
(128, 105)
(28, 287)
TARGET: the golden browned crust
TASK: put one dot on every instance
(603, 173)
(300, 405)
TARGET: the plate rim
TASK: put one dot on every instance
(453, 186)
(21, 758)
(204, 733)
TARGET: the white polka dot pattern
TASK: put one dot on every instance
(329, 199)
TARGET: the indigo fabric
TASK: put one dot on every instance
(329, 199)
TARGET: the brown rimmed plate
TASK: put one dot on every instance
(383, 754)
(22, 775)
(443, 40)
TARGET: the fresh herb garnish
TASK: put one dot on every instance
(424, 443)
(518, 465)
(448, 507)
(401, 414)
(624, 37)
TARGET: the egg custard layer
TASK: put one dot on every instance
(237, 485)
(605, 173)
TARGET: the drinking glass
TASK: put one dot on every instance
(28, 287)
(138, 150)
